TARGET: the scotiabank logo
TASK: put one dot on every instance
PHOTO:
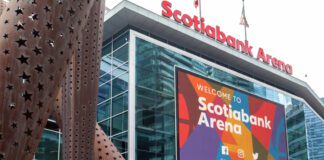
(198, 24)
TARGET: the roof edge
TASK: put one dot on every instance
(319, 108)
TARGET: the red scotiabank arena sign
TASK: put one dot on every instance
(216, 34)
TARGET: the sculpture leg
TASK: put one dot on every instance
(103, 147)
(80, 89)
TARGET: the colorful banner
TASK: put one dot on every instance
(217, 122)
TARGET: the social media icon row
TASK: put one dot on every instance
(240, 153)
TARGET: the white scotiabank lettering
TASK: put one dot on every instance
(203, 119)
(219, 124)
(228, 112)
(202, 105)
(214, 92)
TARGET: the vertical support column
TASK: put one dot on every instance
(132, 97)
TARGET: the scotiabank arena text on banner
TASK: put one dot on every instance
(198, 24)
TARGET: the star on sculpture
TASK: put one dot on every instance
(25, 77)
(40, 86)
(28, 132)
(35, 33)
(14, 125)
(27, 96)
(39, 121)
(39, 69)
(40, 104)
(23, 59)
(71, 11)
(28, 114)
(9, 87)
(47, 9)
(6, 51)
(21, 42)
(37, 50)
(33, 17)
(19, 26)
(18, 11)
(5, 36)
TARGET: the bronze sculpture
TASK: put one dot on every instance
(47, 45)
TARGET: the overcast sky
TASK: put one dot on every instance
(291, 30)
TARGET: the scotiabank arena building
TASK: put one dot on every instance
(174, 88)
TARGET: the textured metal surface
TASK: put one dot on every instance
(103, 147)
(80, 89)
(37, 38)
(57, 109)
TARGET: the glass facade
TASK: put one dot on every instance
(315, 135)
(112, 112)
(296, 131)
(155, 103)
(155, 116)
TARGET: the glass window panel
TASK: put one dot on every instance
(121, 142)
(120, 40)
(259, 90)
(104, 92)
(295, 121)
(154, 145)
(61, 148)
(125, 155)
(272, 95)
(119, 104)
(106, 63)
(104, 77)
(120, 56)
(101, 72)
(279, 97)
(120, 84)
(105, 126)
(120, 70)
(155, 81)
(106, 49)
(148, 99)
(120, 123)
(244, 84)
(154, 124)
(48, 146)
(315, 130)
(103, 110)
